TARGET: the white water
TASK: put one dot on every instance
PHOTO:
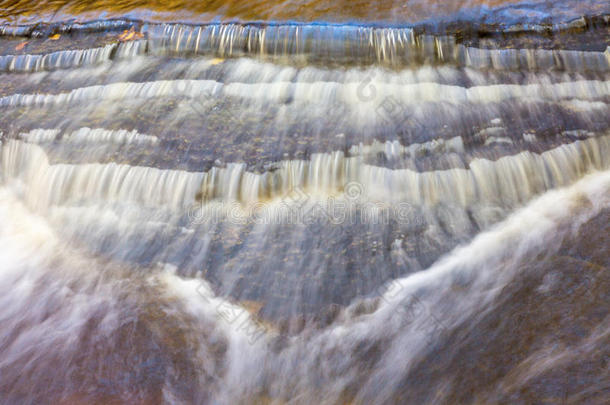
(488, 265)
(589, 90)
(41, 273)
(90, 136)
(134, 270)
(509, 180)
(366, 44)
(69, 59)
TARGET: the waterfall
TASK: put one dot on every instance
(510, 179)
(70, 59)
(364, 203)
(364, 44)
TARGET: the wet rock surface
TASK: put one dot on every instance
(544, 339)
(293, 212)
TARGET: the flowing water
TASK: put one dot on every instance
(304, 202)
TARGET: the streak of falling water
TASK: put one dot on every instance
(90, 307)
(287, 212)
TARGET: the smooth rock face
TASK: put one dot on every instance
(490, 11)
(387, 211)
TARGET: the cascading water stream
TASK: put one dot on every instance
(250, 211)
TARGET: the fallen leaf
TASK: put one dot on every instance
(216, 61)
(123, 35)
(55, 37)
(21, 46)
(129, 35)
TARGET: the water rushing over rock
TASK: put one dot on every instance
(336, 43)
(358, 44)
(509, 180)
(305, 212)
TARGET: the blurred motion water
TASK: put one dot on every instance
(304, 202)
